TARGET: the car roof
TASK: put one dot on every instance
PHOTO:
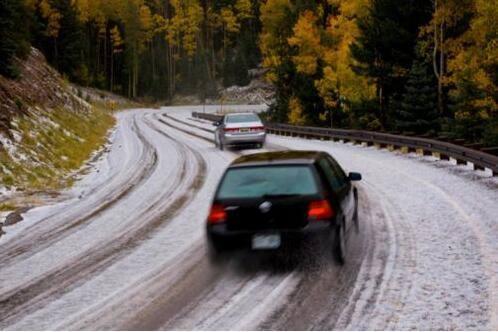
(277, 158)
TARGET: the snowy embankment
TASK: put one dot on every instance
(126, 249)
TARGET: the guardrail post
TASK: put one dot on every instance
(457, 155)
(440, 156)
(475, 167)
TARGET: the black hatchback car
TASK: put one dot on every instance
(266, 199)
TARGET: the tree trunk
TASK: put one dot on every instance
(111, 79)
(441, 71)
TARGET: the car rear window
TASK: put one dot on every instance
(239, 118)
(254, 182)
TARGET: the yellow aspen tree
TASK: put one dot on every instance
(296, 116)
(191, 28)
(446, 15)
(83, 8)
(306, 39)
(475, 61)
(53, 18)
(117, 47)
(243, 9)
(230, 25)
(146, 23)
(339, 81)
(273, 43)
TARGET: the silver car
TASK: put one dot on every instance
(239, 129)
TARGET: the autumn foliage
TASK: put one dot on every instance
(425, 67)
(416, 67)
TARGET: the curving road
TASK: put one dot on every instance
(125, 249)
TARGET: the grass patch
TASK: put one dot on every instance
(4, 207)
(53, 145)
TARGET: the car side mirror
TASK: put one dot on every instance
(354, 176)
(216, 124)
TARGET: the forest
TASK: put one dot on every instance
(422, 67)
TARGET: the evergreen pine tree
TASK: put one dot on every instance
(66, 50)
(13, 35)
(384, 49)
(418, 108)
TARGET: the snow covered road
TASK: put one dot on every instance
(125, 250)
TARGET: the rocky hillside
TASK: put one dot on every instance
(257, 92)
(39, 86)
(48, 129)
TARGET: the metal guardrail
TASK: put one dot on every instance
(444, 150)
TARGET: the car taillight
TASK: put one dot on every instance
(319, 210)
(231, 130)
(259, 128)
(217, 214)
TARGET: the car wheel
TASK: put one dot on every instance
(217, 254)
(340, 244)
(355, 216)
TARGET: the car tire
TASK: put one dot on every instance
(339, 244)
(217, 254)
(356, 219)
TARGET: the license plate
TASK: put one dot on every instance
(243, 130)
(266, 241)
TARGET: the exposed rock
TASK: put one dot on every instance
(38, 85)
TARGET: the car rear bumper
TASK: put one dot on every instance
(220, 233)
(233, 139)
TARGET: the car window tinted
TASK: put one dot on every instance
(254, 182)
(341, 175)
(333, 177)
(239, 118)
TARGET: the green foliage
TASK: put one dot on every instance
(14, 39)
(418, 109)
(59, 34)
(54, 151)
(385, 48)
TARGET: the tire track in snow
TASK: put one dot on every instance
(397, 266)
(187, 123)
(184, 296)
(432, 230)
(213, 309)
(327, 285)
(58, 282)
(193, 267)
(34, 241)
(268, 146)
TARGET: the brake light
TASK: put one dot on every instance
(319, 210)
(231, 130)
(217, 214)
(259, 128)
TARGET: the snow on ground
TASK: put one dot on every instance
(447, 263)
(136, 237)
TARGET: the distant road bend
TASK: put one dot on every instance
(126, 249)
